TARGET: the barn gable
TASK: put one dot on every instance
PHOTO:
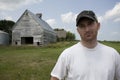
(31, 29)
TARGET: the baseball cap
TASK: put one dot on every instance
(86, 14)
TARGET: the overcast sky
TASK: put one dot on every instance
(62, 13)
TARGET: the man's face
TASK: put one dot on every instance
(88, 29)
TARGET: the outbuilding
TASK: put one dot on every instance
(32, 29)
(4, 38)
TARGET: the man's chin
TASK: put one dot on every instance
(88, 39)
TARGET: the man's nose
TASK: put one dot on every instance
(87, 28)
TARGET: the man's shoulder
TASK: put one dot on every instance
(108, 48)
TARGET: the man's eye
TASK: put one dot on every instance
(90, 22)
(81, 26)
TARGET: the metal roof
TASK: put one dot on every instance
(41, 22)
(2, 32)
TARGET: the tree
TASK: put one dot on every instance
(70, 36)
(6, 26)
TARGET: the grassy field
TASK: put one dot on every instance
(33, 63)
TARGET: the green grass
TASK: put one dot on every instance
(115, 45)
(32, 63)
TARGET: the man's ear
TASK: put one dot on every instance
(98, 25)
(78, 29)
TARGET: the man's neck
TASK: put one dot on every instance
(89, 44)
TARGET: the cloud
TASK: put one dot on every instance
(117, 20)
(51, 22)
(115, 33)
(14, 4)
(113, 14)
(5, 16)
(8, 18)
(100, 18)
(68, 17)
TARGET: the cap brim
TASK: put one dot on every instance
(84, 16)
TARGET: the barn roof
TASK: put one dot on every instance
(40, 21)
(2, 32)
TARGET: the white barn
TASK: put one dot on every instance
(32, 29)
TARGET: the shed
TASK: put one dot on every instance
(61, 33)
(4, 38)
(32, 29)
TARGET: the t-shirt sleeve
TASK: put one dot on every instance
(60, 69)
(117, 72)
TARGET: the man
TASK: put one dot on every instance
(88, 59)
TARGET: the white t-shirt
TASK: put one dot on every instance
(81, 63)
